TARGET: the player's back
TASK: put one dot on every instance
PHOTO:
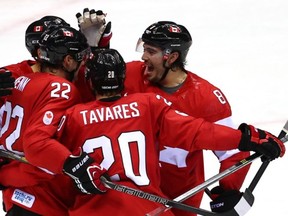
(127, 126)
(36, 104)
(121, 136)
(30, 95)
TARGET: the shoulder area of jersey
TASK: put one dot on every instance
(48, 77)
(140, 96)
(42, 79)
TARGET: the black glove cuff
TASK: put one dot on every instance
(76, 166)
(226, 201)
(245, 144)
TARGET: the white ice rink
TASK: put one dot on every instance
(240, 46)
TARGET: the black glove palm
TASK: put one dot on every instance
(6, 82)
(224, 200)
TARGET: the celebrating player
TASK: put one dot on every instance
(125, 134)
(162, 71)
(31, 115)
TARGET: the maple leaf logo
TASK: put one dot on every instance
(48, 117)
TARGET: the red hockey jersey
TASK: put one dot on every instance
(199, 98)
(31, 116)
(125, 137)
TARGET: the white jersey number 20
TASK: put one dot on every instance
(124, 139)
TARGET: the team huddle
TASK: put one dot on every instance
(78, 112)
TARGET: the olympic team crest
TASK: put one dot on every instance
(48, 117)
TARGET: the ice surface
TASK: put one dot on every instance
(240, 46)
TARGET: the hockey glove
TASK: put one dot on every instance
(86, 173)
(6, 82)
(93, 25)
(224, 200)
(260, 141)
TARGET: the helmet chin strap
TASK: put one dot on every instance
(164, 74)
(165, 58)
(166, 54)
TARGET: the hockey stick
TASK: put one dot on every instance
(127, 190)
(162, 200)
(244, 205)
(265, 163)
(12, 155)
(134, 192)
(207, 183)
(248, 198)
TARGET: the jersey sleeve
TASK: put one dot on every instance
(18, 174)
(182, 131)
(66, 131)
(40, 147)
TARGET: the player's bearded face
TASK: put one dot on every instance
(153, 58)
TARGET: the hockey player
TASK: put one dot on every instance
(124, 135)
(162, 71)
(31, 114)
(32, 36)
(166, 45)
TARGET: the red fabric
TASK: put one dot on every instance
(35, 93)
(52, 197)
(199, 98)
(105, 40)
(21, 68)
(125, 137)
(17, 70)
(196, 96)
(83, 86)
(113, 203)
(230, 182)
(28, 104)
(37, 119)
